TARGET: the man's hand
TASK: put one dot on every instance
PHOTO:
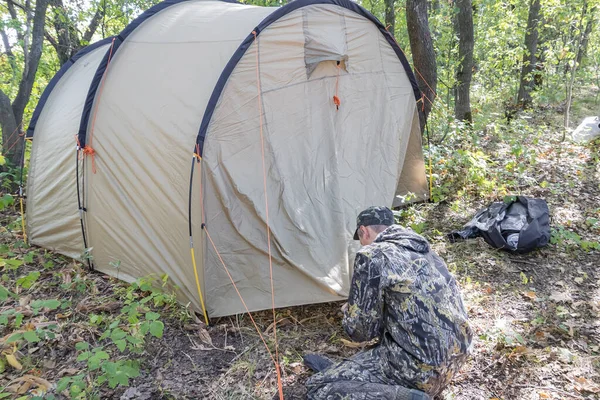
(345, 308)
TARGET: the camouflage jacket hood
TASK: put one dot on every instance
(406, 238)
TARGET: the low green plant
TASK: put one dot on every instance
(568, 239)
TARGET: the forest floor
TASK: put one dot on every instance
(69, 333)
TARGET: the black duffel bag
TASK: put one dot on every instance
(520, 224)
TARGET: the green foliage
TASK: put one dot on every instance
(28, 280)
(6, 201)
(10, 264)
(568, 239)
(4, 293)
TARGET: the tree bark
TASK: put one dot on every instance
(10, 134)
(68, 39)
(530, 57)
(34, 55)
(390, 16)
(424, 62)
(586, 36)
(93, 26)
(66, 34)
(11, 115)
(573, 71)
(463, 26)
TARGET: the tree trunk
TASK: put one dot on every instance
(586, 36)
(390, 16)
(569, 99)
(463, 26)
(529, 58)
(11, 116)
(67, 37)
(35, 53)
(10, 134)
(424, 62)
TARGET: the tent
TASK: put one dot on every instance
(251, 135)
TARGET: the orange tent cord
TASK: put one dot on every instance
(11, 136)
(336, 99)
(262, 150)
(239, 294)
(205, 228)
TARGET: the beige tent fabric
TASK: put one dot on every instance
(323, 166)
(156, 89)
(412, 185)
(52, 211)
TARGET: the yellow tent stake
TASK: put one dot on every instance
(23, 220)
(430, 177)
(198, 285)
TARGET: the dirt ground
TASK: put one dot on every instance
(536, 317)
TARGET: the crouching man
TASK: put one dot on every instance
(402, 294)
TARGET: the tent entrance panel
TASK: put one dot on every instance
(52, 210)
(148, 113)
(322, 164)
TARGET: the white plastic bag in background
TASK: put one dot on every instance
(588, 130)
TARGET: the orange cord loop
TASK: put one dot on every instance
(336, 98)
(89, 151)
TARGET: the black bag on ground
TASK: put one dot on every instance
(520, 225)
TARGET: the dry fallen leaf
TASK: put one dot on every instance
(297, 367)
(27, 382)
(107, 307)
(25, 386)
(530, 295)
(544, 395)
(565, 355)
(520, 349)
(539, 335)
(561, 296)
(584, 385)
(204, 336)
(25, 300)
(12, 360)
(68, 371)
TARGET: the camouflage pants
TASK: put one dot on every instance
(361, 377)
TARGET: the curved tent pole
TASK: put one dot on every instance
(195, 159)
(276, 15)
(118, 41)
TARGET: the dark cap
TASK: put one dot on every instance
(374, 216)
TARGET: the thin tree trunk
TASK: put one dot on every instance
(574, 70)
(586, 36)
(10, 134)
(463, 26)
(529, 58)
(390, 16)
(66, 34)
(12, 117)
(93, 26)
(424, 62)
(35, 53)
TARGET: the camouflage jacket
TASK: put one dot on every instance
(403, 293)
